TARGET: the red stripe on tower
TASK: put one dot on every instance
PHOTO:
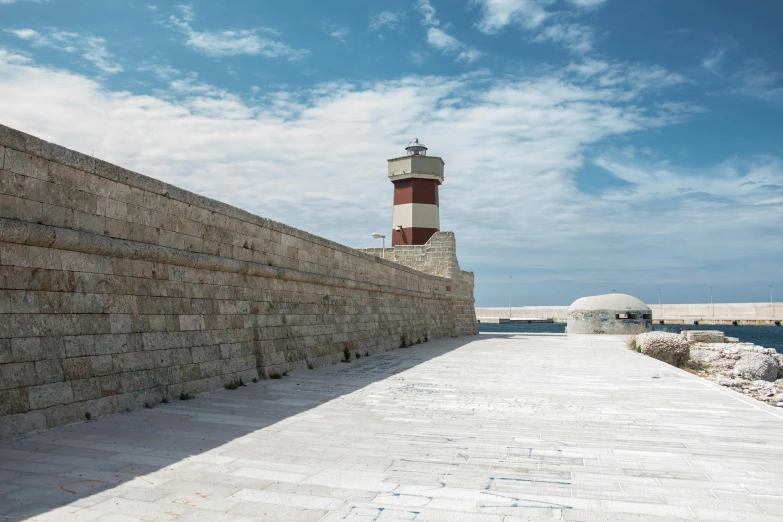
(416, 178)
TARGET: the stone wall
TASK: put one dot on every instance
(438, 257)
(558, 313)
(118, 290)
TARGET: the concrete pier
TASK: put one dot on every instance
(701, 313)
(493, 428)
(506, 320)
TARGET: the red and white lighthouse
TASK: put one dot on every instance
(416, 178)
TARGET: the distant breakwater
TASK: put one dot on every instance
(766, 336)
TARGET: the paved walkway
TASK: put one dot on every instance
(496, 428)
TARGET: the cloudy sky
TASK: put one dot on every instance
(590, 145)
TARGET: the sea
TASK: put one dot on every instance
(766, 336)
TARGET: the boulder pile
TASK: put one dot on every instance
(744, 367)
(667, 347)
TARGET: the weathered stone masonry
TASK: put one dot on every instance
(118, 290)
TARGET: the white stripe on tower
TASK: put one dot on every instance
(416, 215)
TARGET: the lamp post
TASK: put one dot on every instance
(771, 304)
(712, 304)
(660, 306)
(510, 282)
(381, 236)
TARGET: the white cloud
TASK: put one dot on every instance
(534, 17)
(497, 14)
(712, 62)
(164, 72)
(15, 1)
(233, 42)
(469, 55)
(513, 148)
(588, 3)
(628, 80)
(91, 48)
(577, 38)
(757, 80)
(427, 12)
(418, 58)
(31, 35)
(385, 20)
(94, 50)
(751, 179)
(445, 43)
(340, 33)
(440, 40)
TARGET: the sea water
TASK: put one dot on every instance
(766, 336)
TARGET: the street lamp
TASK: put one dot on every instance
(771, 304)
(712, 303)
(660, 306)
(510, 281)
(381, 236)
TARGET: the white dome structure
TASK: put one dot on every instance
(617, 314)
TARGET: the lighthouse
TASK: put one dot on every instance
(416, 178)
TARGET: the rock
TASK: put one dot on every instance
(731, 339)
(704, 357)
(667, 347)
(704, 336)
(757, 366)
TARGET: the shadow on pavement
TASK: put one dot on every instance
(74, 465)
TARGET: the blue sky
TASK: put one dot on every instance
(590, 145)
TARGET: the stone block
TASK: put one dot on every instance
(705, 336)
(117, 343)
(46, 258)
(111, 385)
(13, 401)
(19, 302)
(67, 176)
(76, 368)
(46, 395)
(14, 425)
(80, 346)
(88, 222)
(202, 354)
(113, 209)
(191, 372)
(57, 216)
(48, 371)
(22, 209)
(116, 228)
(101, 365)
(61, 414)
(27, 349)
(192, 322)
(85, 389)
(17, 375)
(94, 324)
(26, 164)
(121, 323)
(5, 351)
(15, 255)
(134, 381)
(80, 262)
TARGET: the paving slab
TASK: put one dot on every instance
(496, 428)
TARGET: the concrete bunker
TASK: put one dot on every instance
(617, 314)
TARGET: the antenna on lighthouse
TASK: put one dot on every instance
(415, 148)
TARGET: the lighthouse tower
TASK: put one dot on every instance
(416, 178)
